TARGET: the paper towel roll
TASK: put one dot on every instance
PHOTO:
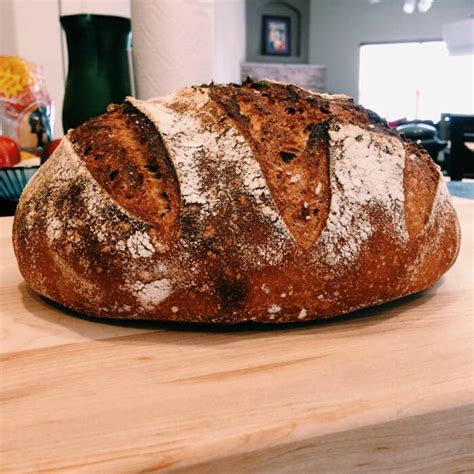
(177, 43)
(172, 44)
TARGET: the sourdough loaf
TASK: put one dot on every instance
(230, 203)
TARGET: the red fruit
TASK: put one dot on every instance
(9, 152)
(49, 150)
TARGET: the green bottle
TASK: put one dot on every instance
(98, 69)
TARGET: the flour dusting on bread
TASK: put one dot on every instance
(140, 246)
(153, 293)
(366, 171)
(195, 137)
(207, 153)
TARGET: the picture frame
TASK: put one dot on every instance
(276, 34)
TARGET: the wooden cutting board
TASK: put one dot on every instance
(391, 388)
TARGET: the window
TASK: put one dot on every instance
(415, 81)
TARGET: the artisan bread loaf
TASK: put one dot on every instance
(229, 203)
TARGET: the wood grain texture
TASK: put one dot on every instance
(421, 444)
(390, 388)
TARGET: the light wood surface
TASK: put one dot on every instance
(390, 389)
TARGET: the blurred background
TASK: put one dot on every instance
(411, 61)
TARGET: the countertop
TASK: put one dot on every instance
(387, 388)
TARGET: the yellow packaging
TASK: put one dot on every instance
(26, 109)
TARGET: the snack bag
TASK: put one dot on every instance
(26, 109)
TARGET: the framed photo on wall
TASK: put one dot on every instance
(276, 35)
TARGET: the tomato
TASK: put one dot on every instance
(9, 152)
(49, 150)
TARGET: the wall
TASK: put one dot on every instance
(31, 29)
(296, 10)
(99, 7)
(339, 27)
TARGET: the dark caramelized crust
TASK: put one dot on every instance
(125, 154)
(420, 183)
(289, 139)
(287, 128)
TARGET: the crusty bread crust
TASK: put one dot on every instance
(230, 203)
